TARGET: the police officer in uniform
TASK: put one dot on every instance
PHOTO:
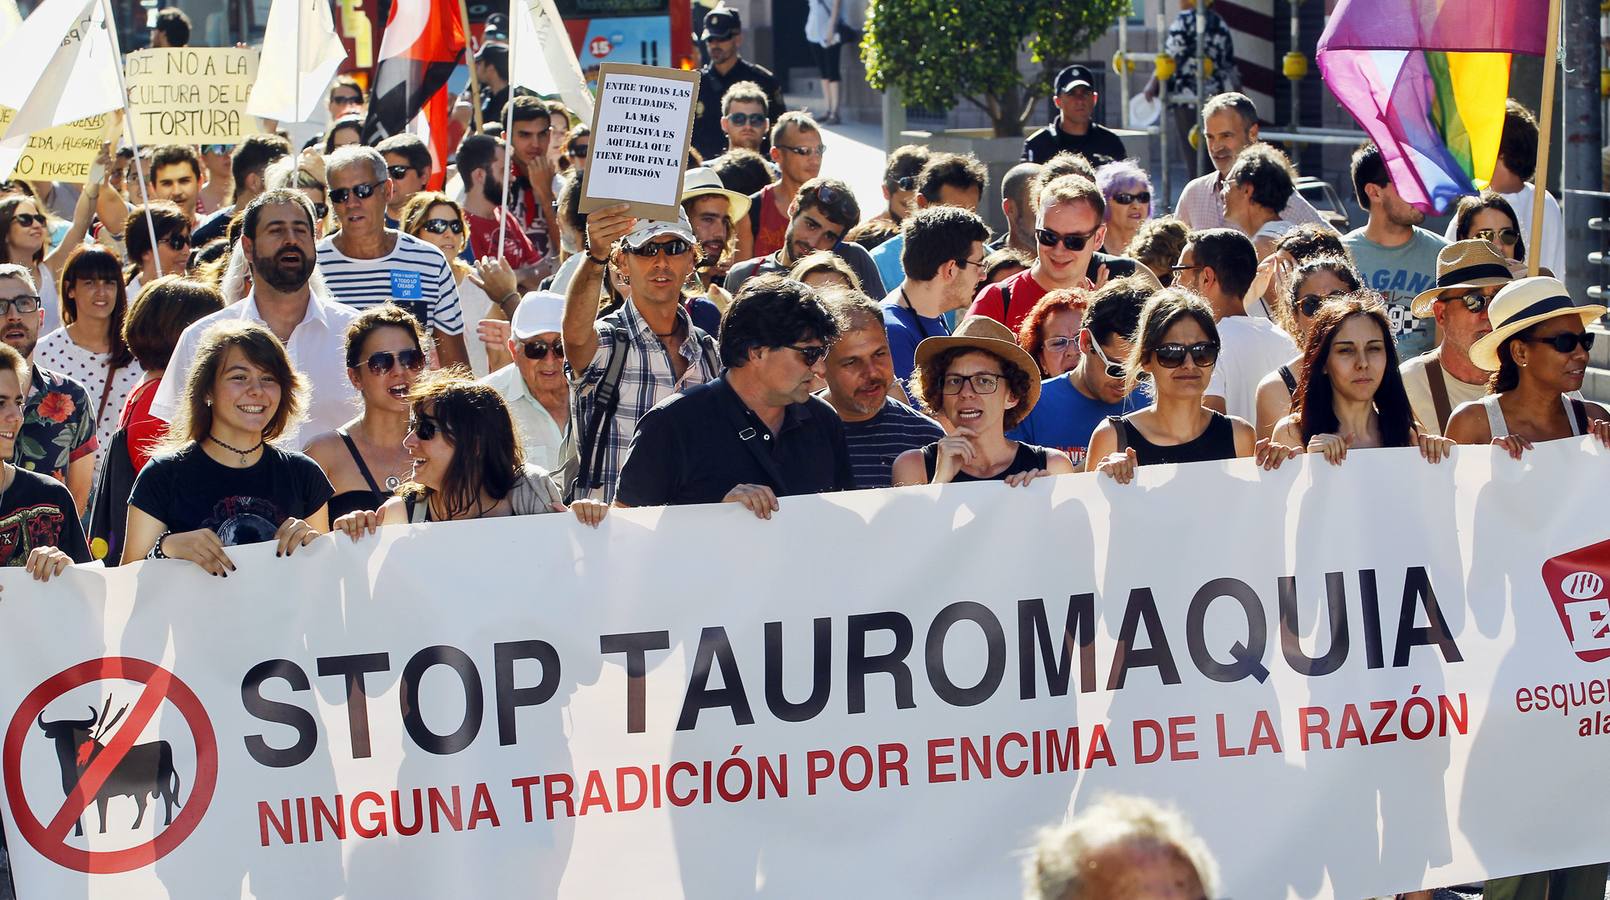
(723, 38)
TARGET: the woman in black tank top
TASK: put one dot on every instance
(1177, 348)
(364, 458)
(1317, 280)
(983, 383)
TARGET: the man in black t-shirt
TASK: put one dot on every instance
(723, 38)
(1074, 128)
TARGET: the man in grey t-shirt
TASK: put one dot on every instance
(1393, 254)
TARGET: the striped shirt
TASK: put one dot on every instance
(414, 275)
(876, 442)
(646, 379)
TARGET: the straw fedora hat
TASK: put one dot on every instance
(1520, 305)
(984, 333)
(1463, 264)
(703, 181)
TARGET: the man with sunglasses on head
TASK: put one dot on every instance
(277, 238)
(480, 164)
(1219, 264)
(1394, 255)
(756, 433)
(798, 150)
(1067, 233)
(1469, 275)
(1074, 403)
(250, 158)
(822, 211)
(1075, 129)
(640, 353)
(408, 162)
(535, 386)
(723, 41)
(366, 264)
(943, 259)
(947, 179)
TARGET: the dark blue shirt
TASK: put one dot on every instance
(1065, 418)
(906, 330)
(876, 442)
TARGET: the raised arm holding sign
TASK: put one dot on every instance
(640, 139)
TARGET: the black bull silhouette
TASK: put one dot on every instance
(145, 772)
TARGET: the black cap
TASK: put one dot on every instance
(1072, 77)
(721, 23)
(490, 52)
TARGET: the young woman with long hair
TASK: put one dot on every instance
(1309, 287)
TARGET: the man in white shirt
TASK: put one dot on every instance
(1517, 161)
(277, 236)
(1469, 275)
(1219, 264)
(1229, 123)
(535, 386)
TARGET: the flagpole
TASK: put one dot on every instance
(1545, 115)
(469, 63)
(110, 25)
(508, 134)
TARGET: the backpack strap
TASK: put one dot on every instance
(1006, 303)
(606, 399)
(1438, 384)
(1119, 432)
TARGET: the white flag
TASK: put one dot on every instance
(301, 53)
(61, 66)
(543, 59)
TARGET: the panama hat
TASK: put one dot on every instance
(984, 333)
(1463, 264)
(701, 181)
(1520, 305)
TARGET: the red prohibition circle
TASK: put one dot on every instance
(167, 687)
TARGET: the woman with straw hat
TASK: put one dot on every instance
(980, 381)
(1538, 354)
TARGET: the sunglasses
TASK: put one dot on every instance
(980, 382)
(1565, 341)
(673, 247)
(579, 151)
(818, 150)
(811, 355)
(28, 220)
(424, 427)
(747, 120)
(538, 350)
(399, 172)
(216, 150)
(1126, 199)
(904, 183)
(346, 100)
(443, 226)
(1509, 237)
(1309, 304)
(321, 210)
(339, 196)
(1172, 356)
(177, 241)
(383, 362)
(1477, 300)
(1113, 370)
(25, 304)
(1074, 242)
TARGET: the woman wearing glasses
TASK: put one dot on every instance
(467, 463)
(1128, 191)
(365, 459)
(1489, 217)
(1050, 332)
(979, 380)
(27, 238)
(1176, 347)
(1351, 396)
(223, 481)
(438, 220)
(170, 248)
(1538, 354)
(1310, 286)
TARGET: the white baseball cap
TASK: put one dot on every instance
(649, 229)
(539, 312)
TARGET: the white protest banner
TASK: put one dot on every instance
(1352, 680)
(191, 95)
(640, 139)
(63, 153)
(547, 60)
(301, 53)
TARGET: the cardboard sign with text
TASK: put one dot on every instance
(641, 130)
(192, 95)
(64, 153)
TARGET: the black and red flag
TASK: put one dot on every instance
(422, 42)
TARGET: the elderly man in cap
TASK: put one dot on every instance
(723, 39)
(1074, 128)
(1469, 276)
(713, 211)
(649, 348)
(535, 386)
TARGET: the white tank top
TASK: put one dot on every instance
(1500, 428)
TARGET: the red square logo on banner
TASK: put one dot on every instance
(1579, 582)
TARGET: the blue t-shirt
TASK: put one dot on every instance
(1065, 418)
(1399, 273)
(876, 442)
(886, 256)
(906, 330)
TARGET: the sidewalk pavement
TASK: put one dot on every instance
(855, 156)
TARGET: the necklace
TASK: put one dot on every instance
(243, 453)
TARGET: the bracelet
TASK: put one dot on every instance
(598, 262)
(503, 304)
(156, 548)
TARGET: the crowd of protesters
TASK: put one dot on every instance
(258, 344)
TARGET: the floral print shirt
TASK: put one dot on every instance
(1218, 47)
(58, 424)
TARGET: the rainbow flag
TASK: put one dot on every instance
(1427, 79)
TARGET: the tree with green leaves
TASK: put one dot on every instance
(935, 51)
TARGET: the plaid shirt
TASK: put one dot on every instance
(646, 380)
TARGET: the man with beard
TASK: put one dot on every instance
(860, 369)
(58, 424)
(1393, 254)
(1469, 276)
(798, 150)
(480, 164)
(277, 236)
(366, 264)
(712, 210)
(723, 39)
(821, 212)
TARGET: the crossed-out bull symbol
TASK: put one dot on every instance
(144, 773)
